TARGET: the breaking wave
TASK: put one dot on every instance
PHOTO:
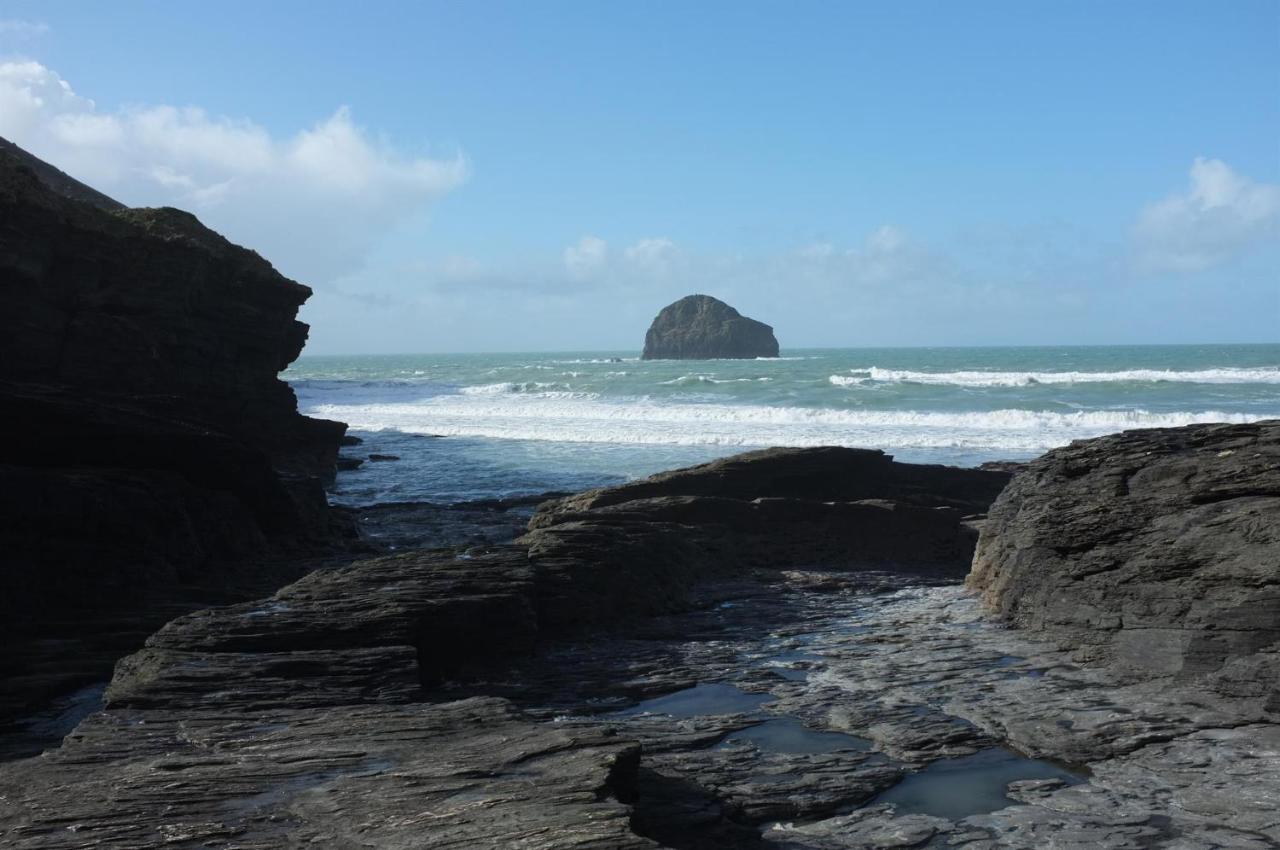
(1260, 375)
(707, 379)
(509, 411)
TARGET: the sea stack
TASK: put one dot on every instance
(699, 327)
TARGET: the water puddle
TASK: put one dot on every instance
(701, 699)
(969, 785)
(788, 735)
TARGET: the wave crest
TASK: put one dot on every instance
(587, 418)
(977, 378)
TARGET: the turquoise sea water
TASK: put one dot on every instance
(525, 423)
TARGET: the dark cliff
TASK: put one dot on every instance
(148, 440)
(699, 327)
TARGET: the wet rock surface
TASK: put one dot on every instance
(785, 711)
(699, 327)
(455, 699)
(466, 774)
(1152, 551)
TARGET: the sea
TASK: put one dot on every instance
(483, 426)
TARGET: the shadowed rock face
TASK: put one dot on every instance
(1156, 551)
(699, 327)
(639, 548)
(148, 440)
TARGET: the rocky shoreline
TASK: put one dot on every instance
(773, 650)
(708, 658)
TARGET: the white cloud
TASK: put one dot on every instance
(314, 203)
(652, 251)
(586, 258)
(886, 257)
(885, 240)
(653, 258)
(1222, 215)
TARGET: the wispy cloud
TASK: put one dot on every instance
(20, 29)
(1222, 215)
(885, 257)
(586, 257)
(314, 202)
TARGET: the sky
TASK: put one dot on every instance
(487, 176)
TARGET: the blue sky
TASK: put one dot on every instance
(546, 176)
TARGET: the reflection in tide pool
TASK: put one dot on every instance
(788, 735)
(969, 785)
(700, 700)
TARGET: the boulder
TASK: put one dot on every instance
(1154, 551)
(699, 327)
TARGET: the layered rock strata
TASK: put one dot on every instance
(1156, 552)
(150, 449)
(454, 698)
(307, 717)
(639, 548)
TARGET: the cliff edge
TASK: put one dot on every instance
(149, 442)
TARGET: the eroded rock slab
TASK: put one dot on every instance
(460, 775)
(374, 631)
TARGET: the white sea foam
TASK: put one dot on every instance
(707, 379)
(511, 387)
(599, 360)
(977, 378)
(584, 417)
